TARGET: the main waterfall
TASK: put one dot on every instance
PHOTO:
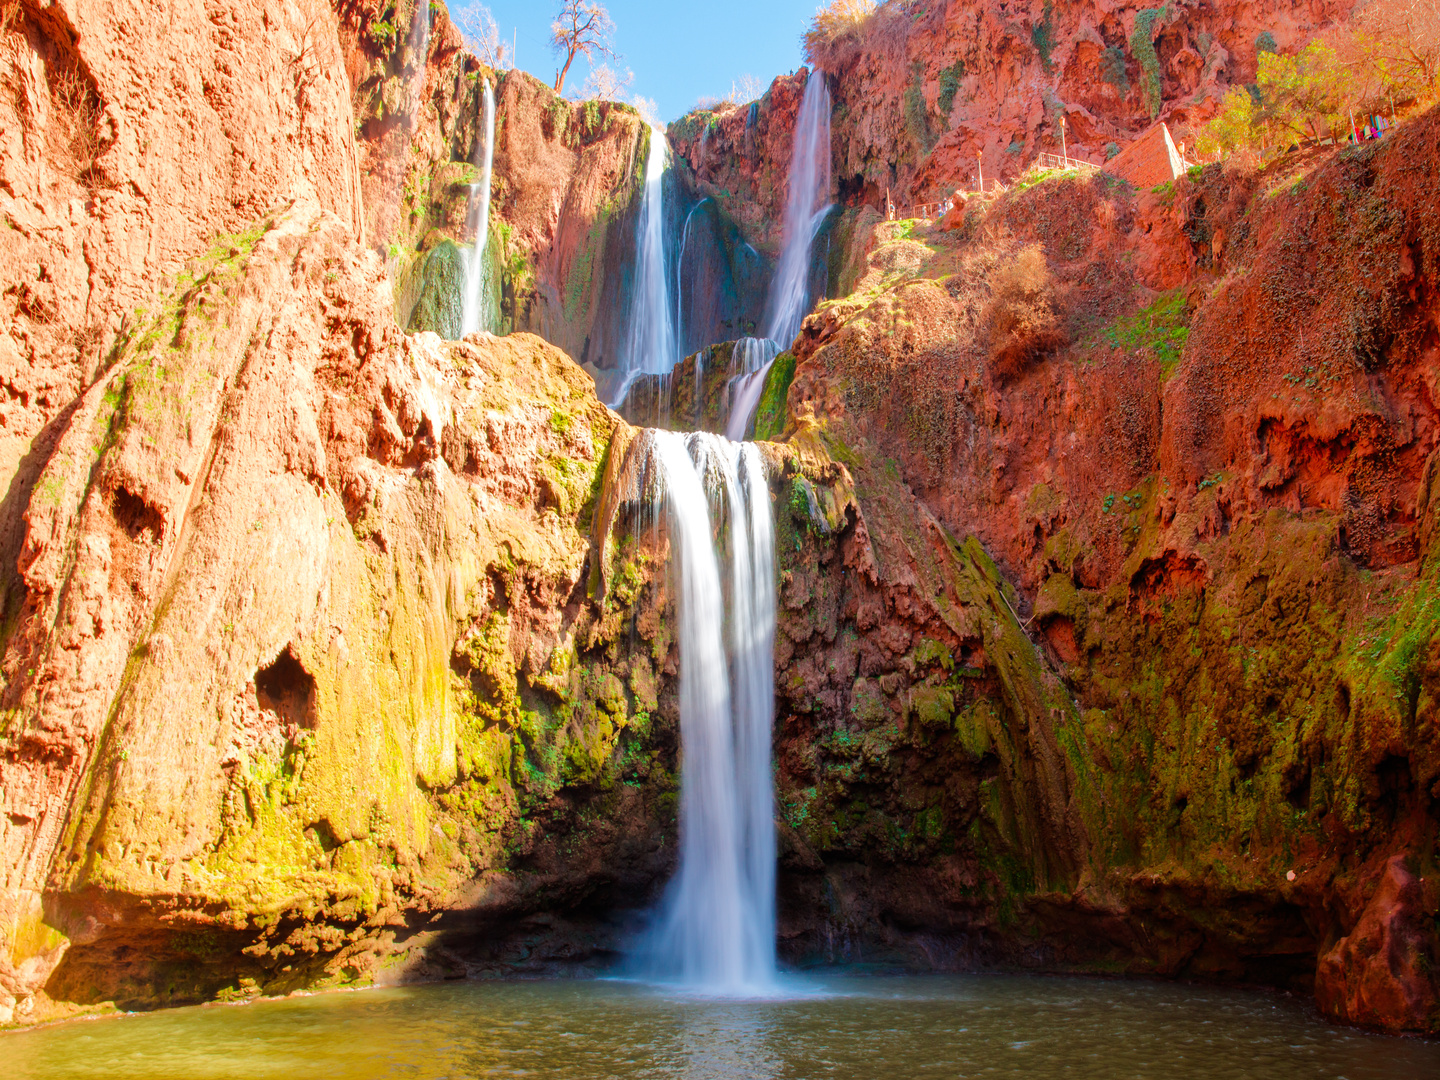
(805, 211)
(716, 932)
(476, 312)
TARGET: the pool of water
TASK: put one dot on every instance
(893, 1028)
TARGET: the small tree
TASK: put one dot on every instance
(482, 36)
(582, 28)
(1402, 38)
(1305, 96)
(745, 90)
(606, 84)
(1233, 127)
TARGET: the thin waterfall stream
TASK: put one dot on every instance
(805, 210)
(650, 345)
(479, 299)
(750, 363)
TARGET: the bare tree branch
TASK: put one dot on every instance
(482, 36)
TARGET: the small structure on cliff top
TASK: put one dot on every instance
(1151, 159)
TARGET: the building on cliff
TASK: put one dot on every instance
(1150, 160)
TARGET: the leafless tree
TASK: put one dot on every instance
(648, 109)
(746, 89)
(482, 36)
(1405, 38)
(582, 28)
(78, 119)
(605, 84)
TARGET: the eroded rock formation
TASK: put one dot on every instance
(335, 653)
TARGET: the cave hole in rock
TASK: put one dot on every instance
(136, 516)
(1394, 781)
(1298, 782)
(285, 688)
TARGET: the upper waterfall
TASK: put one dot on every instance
(805, 211)
(479, 288)
(650, 342)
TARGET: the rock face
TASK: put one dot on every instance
(929, 93)
(307, 638)
(1379, 974)
(130, 145)
(1106, 521)
(1170, 421)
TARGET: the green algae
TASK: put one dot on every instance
(771, 414)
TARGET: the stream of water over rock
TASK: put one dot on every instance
(650, 344)
(750, 362)
(479, 297)
(805, 210)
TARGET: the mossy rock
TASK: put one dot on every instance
(442, 292)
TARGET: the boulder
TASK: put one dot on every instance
(1379, 974)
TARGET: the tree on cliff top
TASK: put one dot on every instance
(606, 84)
(482, 36)
(582, 28)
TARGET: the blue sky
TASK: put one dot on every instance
(679, 50)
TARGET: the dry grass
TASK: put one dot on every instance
(1020, 320)
(838, 32)
(76, 121)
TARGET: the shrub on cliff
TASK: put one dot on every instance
(838, 32)
(1020, 322)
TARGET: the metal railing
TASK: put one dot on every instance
(1058, 161)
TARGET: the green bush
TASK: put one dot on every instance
(1142, 46)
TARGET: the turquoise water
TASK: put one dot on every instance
(834, 1026)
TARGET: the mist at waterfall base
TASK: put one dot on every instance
(715, 930)
(478, 303)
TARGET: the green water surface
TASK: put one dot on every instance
(892, 1028)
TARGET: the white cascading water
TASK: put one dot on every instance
(750, 364)
(650, 346)
(420, 47)
(716, 932)
(805, 211)
(479, 291)
(679, 278)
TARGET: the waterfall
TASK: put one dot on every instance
(716, 932)
(479, 288)
(420, 48)
(680, 342)
(749, 364)
(805, 211)
(650, 345)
